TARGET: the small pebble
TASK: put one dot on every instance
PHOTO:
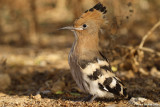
(37, 97)
(140, 101)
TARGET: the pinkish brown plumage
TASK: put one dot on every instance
(89, 68)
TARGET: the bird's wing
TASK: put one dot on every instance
(99, 70)
(76, 72)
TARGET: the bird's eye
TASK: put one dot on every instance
(84, 25)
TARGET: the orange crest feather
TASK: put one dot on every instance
(96, 13)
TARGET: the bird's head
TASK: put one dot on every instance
(90, 21)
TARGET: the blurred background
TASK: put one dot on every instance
(32, 22)
(34, 53)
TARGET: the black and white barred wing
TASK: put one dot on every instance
(101, 80)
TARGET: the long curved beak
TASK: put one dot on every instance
(70, 28)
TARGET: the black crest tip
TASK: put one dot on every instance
(91, 9)
(86, 11)
(105, 12)
(100, 8)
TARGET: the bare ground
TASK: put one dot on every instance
(40, 77)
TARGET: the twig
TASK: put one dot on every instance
(150, 50)
(123, 46)
(148, 34)
(143, 49)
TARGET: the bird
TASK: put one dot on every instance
(90, 69)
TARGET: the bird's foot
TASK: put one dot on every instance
(90, 98)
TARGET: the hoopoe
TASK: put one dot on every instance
(89, 68)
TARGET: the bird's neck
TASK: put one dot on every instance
(86, 46)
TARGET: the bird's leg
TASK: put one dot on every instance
(90, 98)
(93, 98)
(87, 98)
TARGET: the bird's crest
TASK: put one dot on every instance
(96, 13)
